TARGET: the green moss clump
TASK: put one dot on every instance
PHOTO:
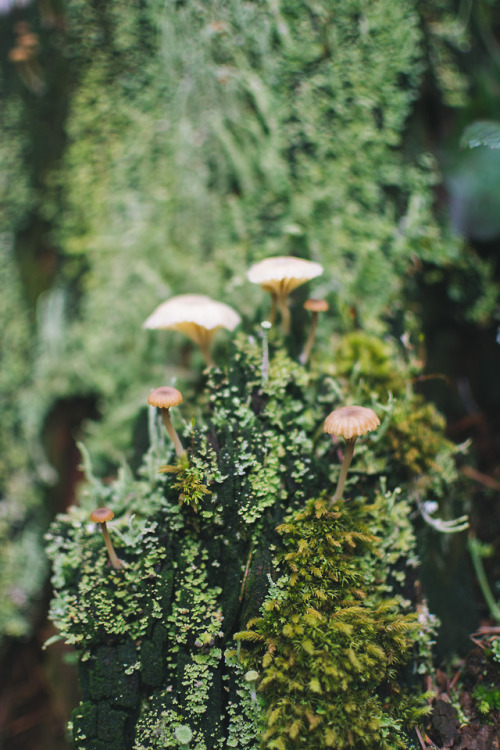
(328, 646)
(415, 437)
(363, 357)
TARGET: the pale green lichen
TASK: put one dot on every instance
(199, 563)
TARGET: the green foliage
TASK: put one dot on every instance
(195, 561)
(481, 133)
(329, 647)
(416, 437)
(24, 471)
(201, 137)
(198, 542)
(189, 140)
(189, 482)
(369, 358)
(487, 698)
(495, 648)
(23, 567)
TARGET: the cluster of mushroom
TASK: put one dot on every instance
(200, 317)
(349, 422)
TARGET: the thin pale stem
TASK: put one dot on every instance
(272, 314)
(204, 344)
(114, 560)
(266, 325)
(285, 314)
(310, 339)
(165, 414)
(346, 462)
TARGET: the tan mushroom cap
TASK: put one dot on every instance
(101, 515)
(19, 54)
(189, 312)
(351, 421)
(28, 40)
(316, 305)
(283, 273)
(165, 397)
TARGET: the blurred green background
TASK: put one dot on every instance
(154, 148)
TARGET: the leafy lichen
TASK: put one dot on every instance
(199, 543)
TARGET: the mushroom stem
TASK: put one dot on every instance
(346, 462)
(310, 339)
(165, 414)
(285, 313)
(205, 350)
(114, 560)
(204, 339)
(272, 314)
(266, 326)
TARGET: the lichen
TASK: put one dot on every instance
(202, 551)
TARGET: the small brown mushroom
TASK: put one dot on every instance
(101, 515)
(29, 70)
(280, 275)
(314, 306)
(28, 40)
(165, 397)
(350, 422)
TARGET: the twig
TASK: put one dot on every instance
(245, 576)
(478, 476)
(422, 744)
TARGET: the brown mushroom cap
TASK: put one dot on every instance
(28, 40)
(165, 397)
(19, 54)
(316, 305)
(283, 273)
(351, 421)
(101, 515)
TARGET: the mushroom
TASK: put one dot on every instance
(314, 306)
(165, 397)
(101, 515)
(251, 678)
(350, 422)
(279, 276)
(23, 56)
(197, 316)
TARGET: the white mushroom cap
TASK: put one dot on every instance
(283, 273)
(279, 276)
(180, 312)
(196, 316)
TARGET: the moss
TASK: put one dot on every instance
(199, 564)
(362, 356)
(192, 139)
(245, 97)
(416, 437)
(269, 176)
(327, 646)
